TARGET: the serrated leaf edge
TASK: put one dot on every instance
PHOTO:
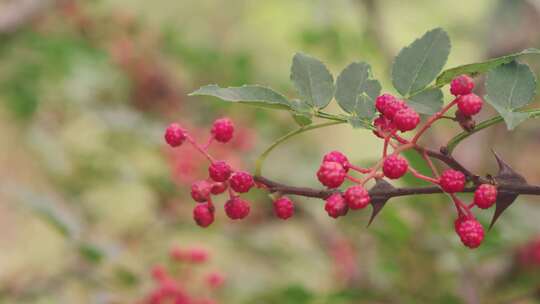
(408, 94)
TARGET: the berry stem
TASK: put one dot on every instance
(385, 146)
(430, 164)
(400, 139)
(460, 206)
(359, 169)
(432, 120)
(453, 143)
(208, 143)
(353, 179)
(232, 194)
(423, 177)
(202, 150)
(265, 153)
(322, 114)
(451, 162)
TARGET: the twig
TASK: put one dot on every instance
(273, 186)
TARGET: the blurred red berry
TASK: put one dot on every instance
(241, 181)
(222, 130)
(197, 255)
(219, 171)
(203, 214)
(237, 208)
(218, 188)
(175, 135)
(529, 254)
(176, 253)
(159, 273)
(215, 280)
(200, 191)
(283, 208)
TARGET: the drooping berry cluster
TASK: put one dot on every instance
(174, 284)
(469, 104)
(221, 177)
(395, 118)
(395, 115)
(470, 231)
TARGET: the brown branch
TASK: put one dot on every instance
(452, 163)
(273, 186)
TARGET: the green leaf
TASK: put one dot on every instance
(511, 118)
(302, 113)
(91, 252)
(365, 107)
(126, 276)
(356, 92)
(313, 81)
(510, 87)
(301, 119)
(427, 102)
(419, 63)
(480, 67)
(293, 294)
(359, 123)
(255, 95)
(301, 107)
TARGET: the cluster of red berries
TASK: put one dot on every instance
(332, 173)
(174, 283)
(394, 116)
(186, 163)
(468, 103)
(221, 177)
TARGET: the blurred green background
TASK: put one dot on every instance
(91, 198)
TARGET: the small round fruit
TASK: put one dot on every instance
(395, 166)
(485, 196)
(223, 129)
(331, 174)
(237, 208)
(461, 85)
(452, 181)
(283, 208)
(470, 104)
(357, 197)
(336, 206)
(175, 135)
